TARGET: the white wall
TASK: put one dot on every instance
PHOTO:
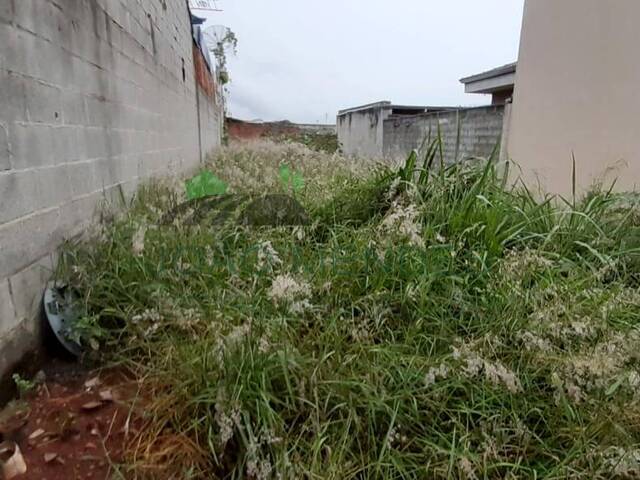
(361, 131)
(578, 91)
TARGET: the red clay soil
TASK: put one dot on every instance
(241, 130)
(76, 426)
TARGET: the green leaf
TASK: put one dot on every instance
(297, 182)
(613, 388)
(205, 184)
(285, 175)
(406, 172)
(291, 179)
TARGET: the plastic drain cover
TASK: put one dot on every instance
(61, 309)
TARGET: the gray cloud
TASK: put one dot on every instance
(304, 60)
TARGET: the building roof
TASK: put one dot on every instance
(368, 106)
(494, 72)
(396, 109)
(195, 20)
(494, 80)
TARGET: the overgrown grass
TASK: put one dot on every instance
(426, 325)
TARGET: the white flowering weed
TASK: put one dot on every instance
(428, 324)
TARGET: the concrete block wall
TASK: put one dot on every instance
(95, 95)
(209, 102)
(360, 130)
(472, 132)
(211, 122)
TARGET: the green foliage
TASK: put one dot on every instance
(87, 331)
(223, 76)
(500, 343)
(205, 184)
(23, 385)
(320, 142)
(291, 181)
(228, 43)
(356, 202)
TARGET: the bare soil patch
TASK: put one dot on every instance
(76, 425)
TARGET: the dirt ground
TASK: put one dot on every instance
(75, 425)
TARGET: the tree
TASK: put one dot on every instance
(222, 41)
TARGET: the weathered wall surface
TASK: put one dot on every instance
(465, 133)
(317, 128)
(211, 121)
(577, 93)
(210, 109)
(94, 96)
(360, 132)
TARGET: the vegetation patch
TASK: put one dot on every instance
(424, 323)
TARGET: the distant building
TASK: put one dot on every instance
(498, 82)
(385, 130)
(361, 129)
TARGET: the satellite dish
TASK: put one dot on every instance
(214, 36)
(220, 41)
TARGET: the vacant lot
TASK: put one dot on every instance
(424, 324)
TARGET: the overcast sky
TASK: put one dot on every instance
(303, 60)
